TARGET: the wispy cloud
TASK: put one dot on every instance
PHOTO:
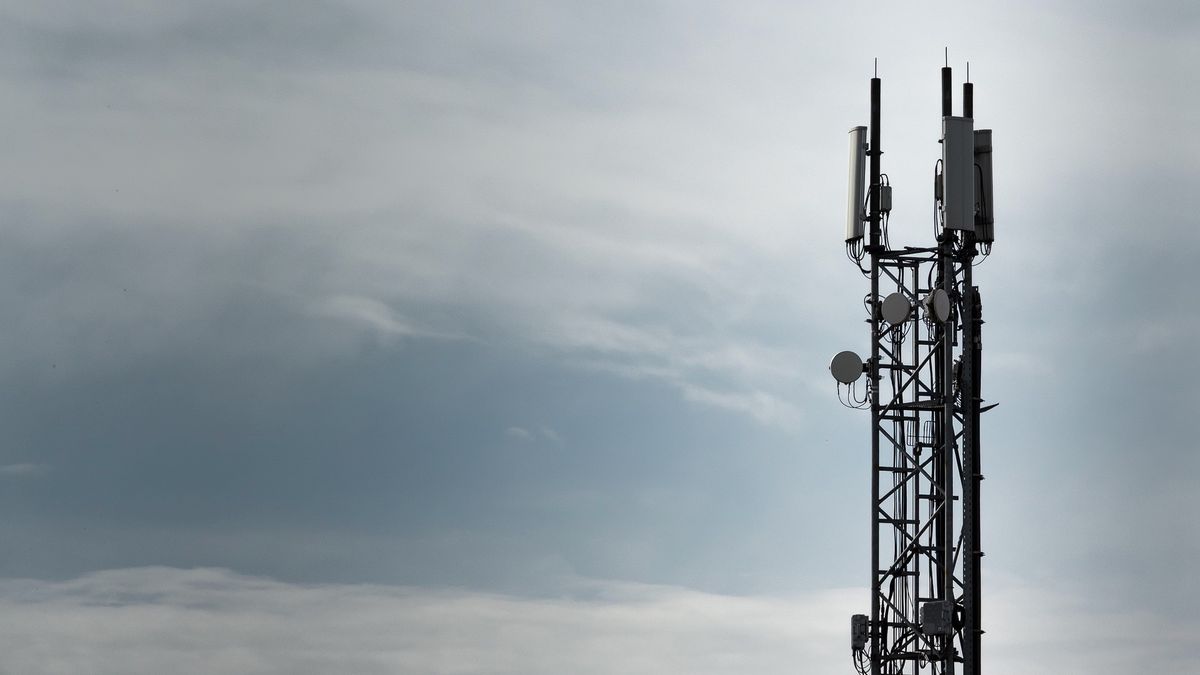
(540, 433)
(23, 469)
(376, 316)
(518, 433)
(154, 620)
(717, 370)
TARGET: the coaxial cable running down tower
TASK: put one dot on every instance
(922, 386)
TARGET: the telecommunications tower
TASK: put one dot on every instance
(922, 387)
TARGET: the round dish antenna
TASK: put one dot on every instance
(896, 309)
(937, 305)
(846, 367)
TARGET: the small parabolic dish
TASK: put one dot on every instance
(846, 367)
(896, 309)
(937, 305)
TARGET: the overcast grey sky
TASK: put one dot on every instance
(492, 337)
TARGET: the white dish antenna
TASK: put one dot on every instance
(937, 306)
(846, 367)
(896, 309)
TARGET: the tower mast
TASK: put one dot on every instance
(922, 387)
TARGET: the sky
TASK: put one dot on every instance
(492, 337)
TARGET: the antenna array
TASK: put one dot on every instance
(922, 387)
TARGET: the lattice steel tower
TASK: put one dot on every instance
(922, 386)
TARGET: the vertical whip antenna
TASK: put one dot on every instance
(968, 95)
(946, 98)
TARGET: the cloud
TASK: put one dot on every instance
(764, 407)
(746, 377)
(23, 469)
(386, 164)
(156, 620)
(518, 433)
(1036, 628)
(377, 317)
(153, 620)
(232, 183)
(542, 432)
(394, 181)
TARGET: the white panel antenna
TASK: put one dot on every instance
(958, 173)
(983, 187)
(856, 210)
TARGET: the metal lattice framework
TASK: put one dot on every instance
(924, 462)
(923, 391)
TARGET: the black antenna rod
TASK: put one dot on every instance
(876, 635)
(875, 154)
(946, 108)
(968, 95)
